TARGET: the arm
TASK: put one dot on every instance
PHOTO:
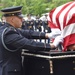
(13, 39)
(33, 34)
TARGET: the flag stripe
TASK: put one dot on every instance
(67, 15)
(59, 13)
(68, 30)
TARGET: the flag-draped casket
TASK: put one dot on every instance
(63, 18)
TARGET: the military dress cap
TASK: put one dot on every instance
(12, 11)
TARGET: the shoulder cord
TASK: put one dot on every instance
(4, 43)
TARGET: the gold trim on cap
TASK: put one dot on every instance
(11, 12)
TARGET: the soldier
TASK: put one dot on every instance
(37, 26)
(44, 22)
(24, 26)
(3, 20)
(30, 22)
(13, 39)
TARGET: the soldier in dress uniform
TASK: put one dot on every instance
(24, 26)
(13, 39)
(30, 22)
(39, 26)
(44, 22)
(38, 23)
(45, 25)
(2, 22)
(46, 29)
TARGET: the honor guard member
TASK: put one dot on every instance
(45, 25)
(30, 22)
(36, 23)
(44, 21)
(13, 40)
(24, 26)
(39, 26)
(3, 20)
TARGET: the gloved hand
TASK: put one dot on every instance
(52, 35)
(57, 40)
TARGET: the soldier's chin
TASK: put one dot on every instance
(20, 25)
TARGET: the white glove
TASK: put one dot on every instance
(52, 35)
(57, 40)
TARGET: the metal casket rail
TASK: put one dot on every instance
(49, 55)
(61, 63)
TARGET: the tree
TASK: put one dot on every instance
(33, 6)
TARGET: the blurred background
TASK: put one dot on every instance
(34, 7)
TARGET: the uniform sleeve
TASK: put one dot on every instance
(33, 34)
(14, 40)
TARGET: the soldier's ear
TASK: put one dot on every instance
(12, 19)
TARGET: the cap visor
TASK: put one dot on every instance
(21, 15)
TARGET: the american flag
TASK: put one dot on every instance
(63, 18)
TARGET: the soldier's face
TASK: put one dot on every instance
(17, 22)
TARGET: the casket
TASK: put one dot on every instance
(61, 63)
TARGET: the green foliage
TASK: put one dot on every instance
(33, 6)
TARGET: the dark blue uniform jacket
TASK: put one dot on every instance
(12, 40)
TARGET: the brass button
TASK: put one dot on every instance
(73, 61)
(15, 70)
(42, 66)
